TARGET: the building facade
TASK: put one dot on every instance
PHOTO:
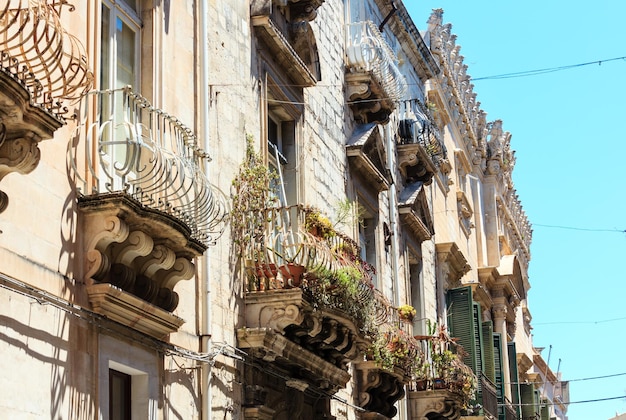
(269, 209)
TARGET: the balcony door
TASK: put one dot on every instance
(119, 61)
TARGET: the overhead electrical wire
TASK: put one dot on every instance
(580, 322)
(579, 228)
(544, 71)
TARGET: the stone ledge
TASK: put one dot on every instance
(131, 311)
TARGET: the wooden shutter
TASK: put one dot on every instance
(513, 372)
(464, 323)
(489, 368)
(499, 374)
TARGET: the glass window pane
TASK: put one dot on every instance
(125, 54)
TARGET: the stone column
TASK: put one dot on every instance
(499, 325)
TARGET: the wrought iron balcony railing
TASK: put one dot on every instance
(36, 50)
(419, 127)
(133, 148)
(368, 52)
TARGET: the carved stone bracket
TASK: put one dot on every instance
(329, 334)
(435, 405)
(367, 98)
(22, 126)
(415, 163)
(451, 256)
(379, 389)
(269, 346)
(138, 252)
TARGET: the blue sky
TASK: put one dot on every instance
(570, 146)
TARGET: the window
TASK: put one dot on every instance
(119, 395)
(367, 241)
(417, 298)
(281, 125)
(120, 44)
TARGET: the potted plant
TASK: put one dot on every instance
(292, 274)
(406, 313)
(421, 373)
(318, 225)
(442, 362)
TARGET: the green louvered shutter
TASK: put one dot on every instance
(489, 368)
(462, 324)
(513, 371)
(527, 393)
(497, 357)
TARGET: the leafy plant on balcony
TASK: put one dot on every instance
(390, 349)
(252, 193)
(318, 225)
(343, 289)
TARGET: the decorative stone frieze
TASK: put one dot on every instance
(486, 144)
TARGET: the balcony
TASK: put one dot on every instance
(489, 398)
(284, 28)
(374, 81)
(147, 208)
(311, 308)
(444, 386)
(41, 65)
(421, 152)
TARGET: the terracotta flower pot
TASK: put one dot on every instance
(292, 274)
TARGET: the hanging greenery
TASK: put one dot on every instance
(252, 194)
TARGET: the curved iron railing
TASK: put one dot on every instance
(368, 51)
(38, 51)
(132, 147)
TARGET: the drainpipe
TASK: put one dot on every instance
(206, 307)
(393, 216)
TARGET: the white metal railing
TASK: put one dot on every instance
(368, 51)
(134, 148)
(38, 51)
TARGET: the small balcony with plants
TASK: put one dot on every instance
(42, 69)
(374, 81)
(146, 207)
(443, 385)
